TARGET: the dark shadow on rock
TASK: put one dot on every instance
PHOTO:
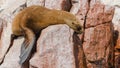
(26, 63)
(117, 62)
(117, 57)
(80, 59)
(115, 37)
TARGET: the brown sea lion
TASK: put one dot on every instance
(30, 21)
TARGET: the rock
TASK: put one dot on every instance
(9, 9)
(80, 9)
(80, 58)
(2, 24)
(53, 4)
(11, 5)
(75, 6)
(6, 16)
(117, 61)
(117, 43)
(116, 22)
(58, 47)
(111, 2)
(5, 40)
(98, 44)
(36, 2)
(54, 48)
(12, 57)
(98, 14)
(58, 4)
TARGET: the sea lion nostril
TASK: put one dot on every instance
(79, 28)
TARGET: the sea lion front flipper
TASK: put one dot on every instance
(27, 46)
(27, 52)
(25, 43)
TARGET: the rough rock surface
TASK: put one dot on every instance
(98, 14)
(36, 2)
(58, 47)
(52, 4)
(98, 46)
(98, 37)
(58, 4)
(54, 48)
(5, 40)
(116, 21)
(117, 61)
(11, 59)
(80, 9)
(9, 7)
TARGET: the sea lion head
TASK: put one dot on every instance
(75, 25)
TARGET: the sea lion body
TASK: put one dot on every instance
(33, 19)
(37, 18)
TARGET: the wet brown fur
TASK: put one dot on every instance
(33, 19)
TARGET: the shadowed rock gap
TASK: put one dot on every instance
(27, 64)
(85, 21)
(80, 58)
(78, 52)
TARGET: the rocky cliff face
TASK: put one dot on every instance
(58, 46)
(116, 20)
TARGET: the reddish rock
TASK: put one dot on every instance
(98, 37)
(52, 4)
(117, 44)
(80, 9)
(80, 58)
(98, 45)
(117, 61)
(116, 21)
(58, 4)
(54, 48)
(57, 47)
(98, 14)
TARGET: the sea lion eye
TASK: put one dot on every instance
(73, 23)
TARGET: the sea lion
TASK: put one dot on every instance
(30, 21)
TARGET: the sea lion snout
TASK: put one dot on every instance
(79, 30)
